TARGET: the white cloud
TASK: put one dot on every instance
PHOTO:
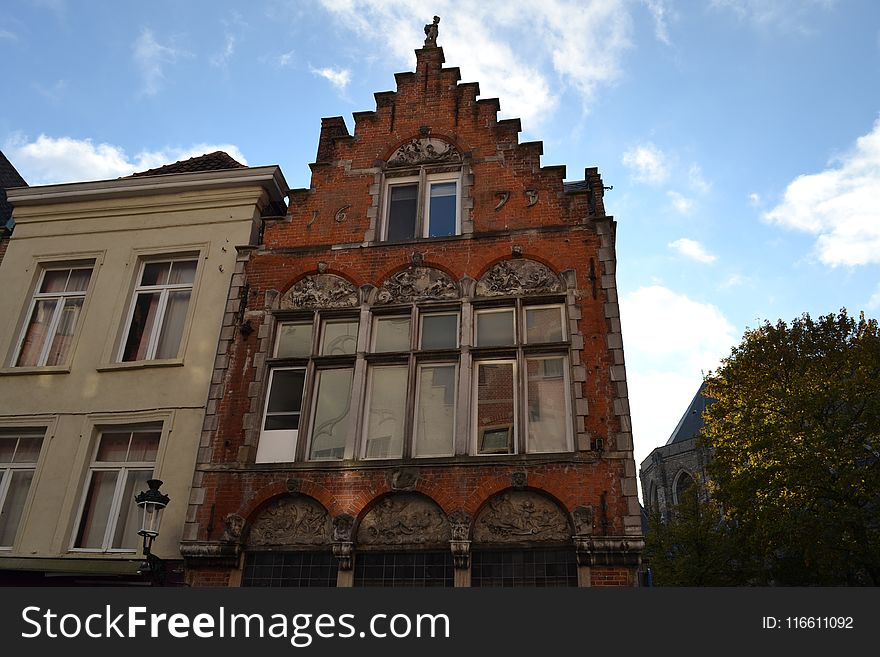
(648, 164)
(49, 160)
(221, 59)
(339, 78)
(734, 280)
(874, 302)
(504, 46)
(754, 199)
(693, 250)
(787, 16)
(670, 341)
(6, 34)
(659, 12)
(285, 59)
(151, 58)
(697, 181)
(681, 203)
(839, 205)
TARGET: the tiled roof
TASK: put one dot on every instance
(9, 177)
(208, 162)
(692, 420)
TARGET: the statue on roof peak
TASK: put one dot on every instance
(431, 33)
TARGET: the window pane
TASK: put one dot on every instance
(113, 447)
(13, 505)
(55, 280)
(339, 338)
(172, 324)
(63, 338)
(435, 413)
(402, 212)
(28, 449)
(129, 518)
(546, 402)
(439, 331)
(495, 409)
(182, 272)
(144, 446)
(37, 333)
(331, 420)
(543, 325)
(155, 273)
(386, 415)
(294, 340)
(7, 448)
(441, 212)
(142, 322)
(285, 399)
(79, 280)
(96, 513)
(392, 334)
(494, 328)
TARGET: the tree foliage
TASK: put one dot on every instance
(795, 434)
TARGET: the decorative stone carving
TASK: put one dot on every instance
(417, 284)
(503, 198)
(320, 291)
(431, 30)
(342, 526)
(294, 485)
(583, 520)
(322, 267)
(404, 479)
(290, 521)
(519, 480)
(429, 150)
(532, 197)
(404, 520)
(234, 524)
(342, 552)
(515, 277)
(461, 524)
(517, 516)
(340, 215)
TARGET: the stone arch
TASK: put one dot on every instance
(516, 517)
(683, 482)
(403, 520)
(417, 283)
(320, 291)
(518, 277)
(292, 520)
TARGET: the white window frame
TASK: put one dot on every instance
(418, 392)
(60, 299)
(475, 446)
(566, 391)
(122, 468)
(525, 323)
(7, 469)
(423, 183)
(164, 290)
(279, 445)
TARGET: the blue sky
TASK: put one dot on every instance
(741, 136)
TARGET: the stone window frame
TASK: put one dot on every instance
(675, 484)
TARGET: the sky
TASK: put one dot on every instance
(741, 137)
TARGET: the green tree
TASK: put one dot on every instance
(796, 440)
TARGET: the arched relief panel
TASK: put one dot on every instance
(521, 516)
(320, 291)
(405, 519)
(518, 277)
(427, 150)
(417, 284)
(290, 521)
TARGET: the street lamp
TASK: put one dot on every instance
(152, 503)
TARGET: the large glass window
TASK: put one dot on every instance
(386, 412)
(53, 317)
(19, 452)
(159, 309)
(123, 461)
(434, 428)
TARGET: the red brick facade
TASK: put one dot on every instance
(511, 211)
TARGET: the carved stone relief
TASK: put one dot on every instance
(583, 520)
(417, 284)
(290, 521)
(531, 197)
(404, 520)
(513, 277)
(234, 525)
(517, 516)
(424, 151)
(320, 291)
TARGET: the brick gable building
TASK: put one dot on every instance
(420, 379)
